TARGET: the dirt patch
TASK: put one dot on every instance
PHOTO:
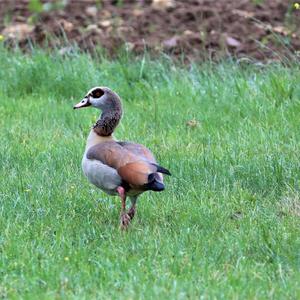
(200, 29)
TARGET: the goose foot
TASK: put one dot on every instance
(131, 212)
(125, 218)
(124, 221)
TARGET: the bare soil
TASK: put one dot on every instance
(198, 28)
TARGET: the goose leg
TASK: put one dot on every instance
(124, 218)
(132, 209)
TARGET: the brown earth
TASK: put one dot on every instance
(259, 29)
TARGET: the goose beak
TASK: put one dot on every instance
(83, 103)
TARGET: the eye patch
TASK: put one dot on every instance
(97, 93)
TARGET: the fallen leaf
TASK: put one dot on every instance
(170, 43)
(163, 4)
(188, 32)
(193, 123)
(243, 13)
(20, 31)
(67, 26)
(105, 23)
(129, 46)
(281, 30)
(236, 215)
(91, 11)
(137, 12)
(232, 42)
(65, 51)
(94, 28)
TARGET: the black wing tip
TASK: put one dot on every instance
(153, 184)
(156, 186)
(163, 170)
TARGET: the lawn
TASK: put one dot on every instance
(226, 227)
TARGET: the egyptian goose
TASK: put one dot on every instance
(117, 168)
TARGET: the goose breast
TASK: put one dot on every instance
(101, 175)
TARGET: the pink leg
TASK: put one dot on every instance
(132, 209)
(124, 219)
(131, 212)
(122, 194)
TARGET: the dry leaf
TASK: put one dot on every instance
(171, 43)
(162, 4)
(232, 42)
(193, 123)
(281, 30)
(243, 13)
(94, 28)
(236, 215)
(137, 12)
(20, 31)
(91, 11)
(67, 26)
(105, 23)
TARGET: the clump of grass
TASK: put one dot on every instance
(216, 232)
(290, 205)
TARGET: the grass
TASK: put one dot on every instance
(227, 226)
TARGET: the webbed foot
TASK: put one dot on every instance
(124, 221)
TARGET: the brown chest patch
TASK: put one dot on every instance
(106, 125)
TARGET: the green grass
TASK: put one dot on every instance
(227, 226)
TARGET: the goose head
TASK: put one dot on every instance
(102, 98)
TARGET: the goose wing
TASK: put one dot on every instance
(134, 163)
(139, 150)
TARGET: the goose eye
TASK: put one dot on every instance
(97, 94)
